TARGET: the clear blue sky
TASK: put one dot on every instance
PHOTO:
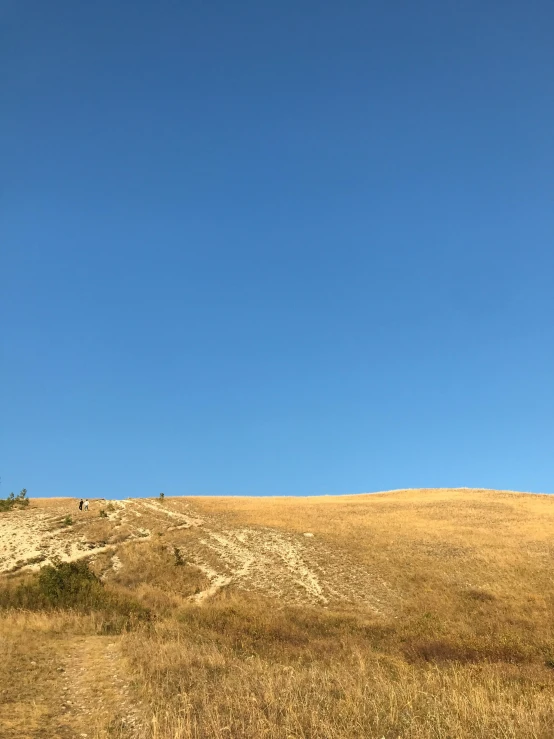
(276, 248)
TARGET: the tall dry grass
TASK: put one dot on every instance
(238, 669)
(468, 651)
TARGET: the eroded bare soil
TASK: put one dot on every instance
(297, 568)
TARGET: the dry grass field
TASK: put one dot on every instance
(413, 614)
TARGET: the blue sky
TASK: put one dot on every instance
(276, 248)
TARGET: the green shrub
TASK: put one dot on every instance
(70, 584)
(73, 586)
(68, 521)
(178, 556)
(20, 500)
(103, 513)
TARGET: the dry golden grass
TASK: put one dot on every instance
(477, 565)
(202, 682)
(462, 644)
(150, 571)
(60, 678)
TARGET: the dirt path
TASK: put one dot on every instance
(298, 568)
(60, 685)
(163, 510)
(98, 698)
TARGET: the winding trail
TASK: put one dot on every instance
(294, 567)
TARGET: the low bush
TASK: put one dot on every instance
(12, 501)
(178, 556)
(73, 586)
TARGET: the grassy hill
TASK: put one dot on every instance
(418, 613)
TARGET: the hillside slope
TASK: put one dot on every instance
(419, 613)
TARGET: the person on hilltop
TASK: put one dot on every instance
(86, 504)
(81, 504)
